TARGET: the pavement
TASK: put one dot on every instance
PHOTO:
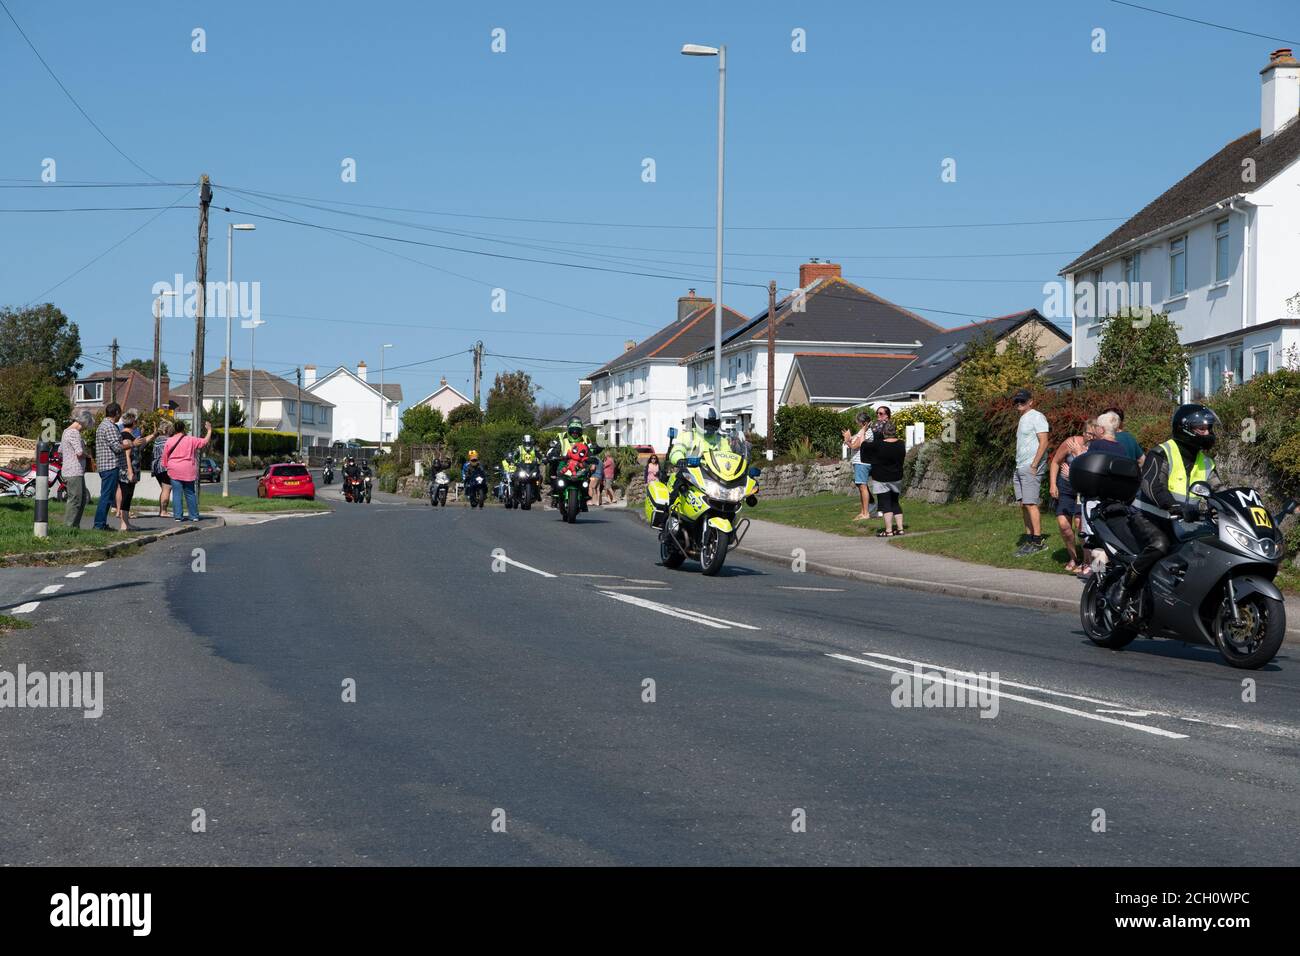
(398, 684)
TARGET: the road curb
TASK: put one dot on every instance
(38, 558)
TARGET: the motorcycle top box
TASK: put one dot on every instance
(1096, 474)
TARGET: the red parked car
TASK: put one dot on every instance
(286, 481)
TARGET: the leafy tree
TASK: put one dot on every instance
(549, 411)
(422, 425)
(465, 414)
(28, 396)
(991, 368)
(1140, 349)
(511, 398)
(217, 416)
(144, 367)
(42, 336)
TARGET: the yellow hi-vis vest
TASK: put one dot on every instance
(1179, 480)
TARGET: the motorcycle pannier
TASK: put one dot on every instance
(1098, 475)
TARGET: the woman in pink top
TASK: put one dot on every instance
(180, 459)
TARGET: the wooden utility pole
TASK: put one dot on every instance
(771, 362)
(112, 382)
(299, 415)
(157, 353)
(478, 372)
(200, 330)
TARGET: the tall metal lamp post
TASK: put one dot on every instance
(252, 325)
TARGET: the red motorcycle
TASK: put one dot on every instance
(15, 484)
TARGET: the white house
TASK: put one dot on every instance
(637, 396)
(444, 398)
(1218, 251)
(276, 403)
(357, 402)
(824, 322)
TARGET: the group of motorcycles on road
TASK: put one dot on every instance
(694, 510)
(358, 480)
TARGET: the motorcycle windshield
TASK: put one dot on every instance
(729, 459)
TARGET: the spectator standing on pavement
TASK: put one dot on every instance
(1132, 448)
(72, 449)
(108, 460)
(860, 441)
(1031, 464)
(157, 470)
(181, 460)
(133, 442)
(609, 471)
(651, 469)
(1067, 500)
(887, 478)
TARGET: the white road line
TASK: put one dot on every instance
(662, 609)
(696, 616)
(25, 608)
(1157, 731)
(51, 588)
(575, 574)
(93, 564)
(791, 587)
(519, 564)
(74, 574)
(632, 587)
(1007, 683)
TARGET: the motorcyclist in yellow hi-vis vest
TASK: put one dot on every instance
(1168, 474)
(703, 434)
(526, 452)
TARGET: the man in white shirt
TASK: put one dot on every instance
(1031, 465)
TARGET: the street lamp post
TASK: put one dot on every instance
(225, 402)
(252, 325)
(694, 49)
(157, 349)
(383, 401)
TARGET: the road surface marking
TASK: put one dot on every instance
(94, 564)
(791, 587)
(25, 608)
(519, 564)
(663, 609)
(1157, 731)
(633, 587)
(51, 588)
(575, 574)
(696, 616)
(1006, 683)
(74, 574)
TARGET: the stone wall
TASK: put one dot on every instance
(786, 481)
(930, 483)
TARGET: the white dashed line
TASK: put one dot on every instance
(792, 587)
(93, 564)
(74, 574)
(51, 588)
(499, 555)
(696, 616)
(25, 608)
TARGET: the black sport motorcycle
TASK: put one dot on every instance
(476, 487)
(327, 475)
(1214, 587)
(526, 485)
(438, 489)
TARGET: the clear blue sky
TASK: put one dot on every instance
(850, 133)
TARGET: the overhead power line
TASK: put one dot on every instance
(72, 99)
(1204, 23)
(95, 209)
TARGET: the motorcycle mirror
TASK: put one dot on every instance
(1288, 507)
(672, 433)
(755, 472)
(693, 462)
(1201, 489)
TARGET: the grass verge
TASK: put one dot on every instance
(245, 505)
(10, 623)
(16, 518)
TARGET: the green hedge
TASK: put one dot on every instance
(823, 427)
(264, 442)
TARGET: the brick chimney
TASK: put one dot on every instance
(165, 388)
(308, 376)
(629, 345)
(442, 382)
(1280, 92)
(361, 371)
(689, 303)
(584, 388)
(814, 269)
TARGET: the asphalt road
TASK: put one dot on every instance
(500, 661)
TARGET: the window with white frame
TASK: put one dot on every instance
(1221, 263)
(1261, 361)
(1177, 266)
(1237, 364)
(90, 391)
(640, 382)
(1216, 372)
(1133, 277)
(1200, 366)
(309, 413)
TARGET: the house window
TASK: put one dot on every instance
(1200, 365)
(1216, 372)
(309, 413)
(1133, 278)
(1261, 361)
(90, 391)
(1178, 266)
(1237, 364)
(324, 415)
(1221, 267)
(640, 383)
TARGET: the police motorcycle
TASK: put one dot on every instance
(695, 509)
(504, 488)
(1215, 587)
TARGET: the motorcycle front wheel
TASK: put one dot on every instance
(1099, 620)
(713, 551)
(1254, 640)
(571, 503)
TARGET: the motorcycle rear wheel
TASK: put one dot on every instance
(1255, 641)
(1099, 623)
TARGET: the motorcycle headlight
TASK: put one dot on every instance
(521, 474)
(559, 482)
(1264, 547)
(715, 490)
